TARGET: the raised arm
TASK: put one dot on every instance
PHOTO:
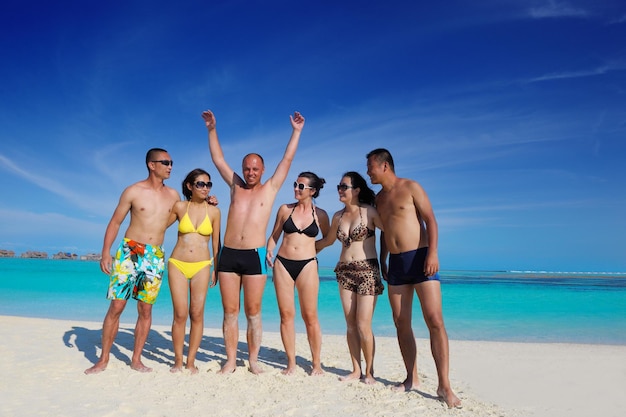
(277, 180)
(216, 149)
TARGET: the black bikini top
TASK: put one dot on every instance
(359, 233)
(311, 230)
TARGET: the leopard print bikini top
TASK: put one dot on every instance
(359, 233)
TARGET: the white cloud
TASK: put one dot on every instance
(579, 74)
(553, 9)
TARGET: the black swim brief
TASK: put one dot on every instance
(242, 261)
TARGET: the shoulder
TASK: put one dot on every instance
(134, 191)
(409, 184)
(320, 211)
(213, 211)
(179, 206)
(284, 208)
(172, 192)
(371, 210)
(136, 187)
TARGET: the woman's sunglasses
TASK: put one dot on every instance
(343, 187)
(300, 186)
(202, 184)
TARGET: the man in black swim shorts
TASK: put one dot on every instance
(248, 215)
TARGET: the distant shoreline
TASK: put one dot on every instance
(5, 253)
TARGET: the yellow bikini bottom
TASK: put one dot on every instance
(189, 269)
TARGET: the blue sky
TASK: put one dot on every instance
(510, 113)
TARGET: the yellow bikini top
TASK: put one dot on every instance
(186, 226)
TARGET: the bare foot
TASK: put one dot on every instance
(317, 370)
(351, 376)
(192, 369)
(228, 368)
(449, 397)
(368, 379)
(289, 370)
(140, 367)
(405, 386)
(255, 368)
(176, 368)
(97, 368)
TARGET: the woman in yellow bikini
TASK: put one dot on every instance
(189, 269)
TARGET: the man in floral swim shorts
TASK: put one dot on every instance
(137, 272)
(138, 266)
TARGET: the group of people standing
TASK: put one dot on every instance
(401, 211)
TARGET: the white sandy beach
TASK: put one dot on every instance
(42, 363)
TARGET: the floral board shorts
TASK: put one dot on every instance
(138, 271)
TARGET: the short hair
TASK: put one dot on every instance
(191, 179)
(314, 181)
(366, 194)
(254, 154)
(151, 154)
(382, 155)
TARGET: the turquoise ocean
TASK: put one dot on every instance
(520, 306)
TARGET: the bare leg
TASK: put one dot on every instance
(429, 293)
(284, 287)
(253, 286)
(178, 284)
(349, 304)
(198, 287)
(110, 326)
(365, 312)
(230, 285)
(401, 300)
(142, 328)
(308, 290)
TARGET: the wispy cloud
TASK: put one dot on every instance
(555, 9)
(621, 19)
(579, 74)
(50, 185)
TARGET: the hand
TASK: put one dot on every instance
(431, 265)
(209, 119)
(269, 259)
(297, 121)
(383, 270)
(212, 200)
(213, 280)
(106, 263)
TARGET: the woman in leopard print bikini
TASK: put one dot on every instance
(358, 272)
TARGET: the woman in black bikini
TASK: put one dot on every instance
(358, 272)
(296, 266)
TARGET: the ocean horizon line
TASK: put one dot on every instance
(539, 273)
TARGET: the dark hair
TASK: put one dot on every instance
(191, 179)
(151, 154)
(366, 194)
(314, 181)
(382, 155)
